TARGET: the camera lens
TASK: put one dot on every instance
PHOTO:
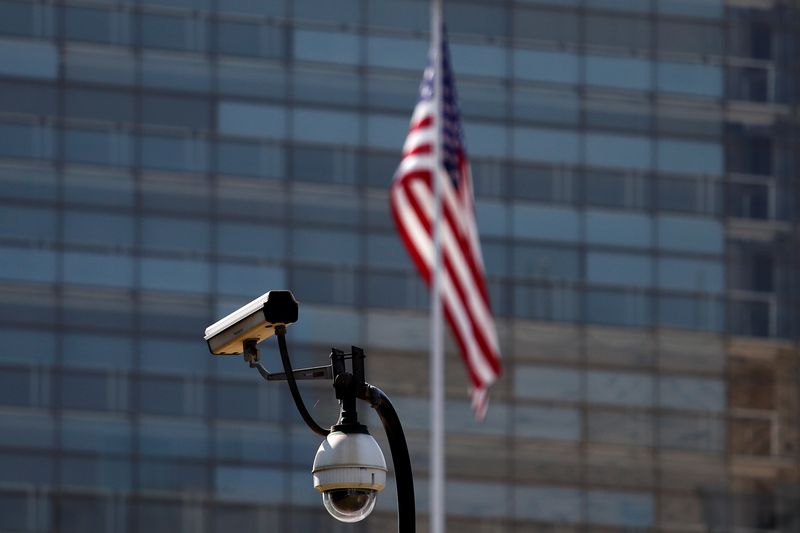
(349, 505)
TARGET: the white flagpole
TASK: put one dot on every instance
(437, 516)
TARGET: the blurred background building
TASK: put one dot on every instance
(164, 161)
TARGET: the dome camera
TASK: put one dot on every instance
(349, 470)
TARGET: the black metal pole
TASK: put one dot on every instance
(406, 507)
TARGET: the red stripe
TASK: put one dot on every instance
(420, 124)
(419, 149)
(477, 331)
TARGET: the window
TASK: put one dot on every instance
(546, 263)
(246, 442)
(548, 504)
(700, 434)
(397, 53)
(16, 387)
(691, 275)
(177, 33)
(180, 112)
(547, 383)
(96, 473)
(242, 280)
(545, 223)
(249, 159)
(251, 240)
(100, 105)
(624, 73)
(689, 393)
(618, 308)
(96, 433)
(329, 47)
(250, 78)
(547, 423)
(28, 59)
(628, 33)
(97, 147)
(251, 39)
(690, 157)
(252, 120)
(621, 229)
(27, 141)
(537, 24)
(479, 60)
(619, 269)
(174, 234)
(620, 388)
(27, 224)
(175, 72)
(27, 264)
(341, 87)
(546, 302)
(388, 131)
(100, 229)
(620, 509)
(173, 476)
(175, 275)
(618, 151)
(696, 234)
(335, 286)
(327, 247)
(17, 18)
(169, 396)
(97, 351)
(558, 67)
(173, 439)
(544, 145)
(539, 105)
(700, 313)
(693, 79)
(100, 65)
(626, 428)
(250, 484)
(97, 269)
(174, 153)
(15, 509)
(335, 127)
(346, 11)
(93, 25)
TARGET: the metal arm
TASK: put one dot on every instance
(290, 376)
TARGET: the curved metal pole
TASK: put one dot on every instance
(406, 508)
(280, 332)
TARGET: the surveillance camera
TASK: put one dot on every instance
(256, 320)
(349, 470)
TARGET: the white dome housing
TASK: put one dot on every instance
(349, 470)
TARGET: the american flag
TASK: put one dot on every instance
(463, 285)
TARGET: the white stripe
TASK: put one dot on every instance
(418, 137)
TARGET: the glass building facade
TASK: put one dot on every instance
(164, 161)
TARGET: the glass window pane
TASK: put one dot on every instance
(694, 394)
(480, 60)
(691, 275)
(625, 73)
(618, 151)
(100, 65)
(547, 423)
(547, 263)
(618, 308)
(93, 25)
(178, 33)
(545, 223)
(702, 235)
(251, 78)
(697, 433)
(628, 428)
(539, 105)
(27, 264)
(397, 53)
(173, 439)
(619, 269)
(98, 229)
(175, 275)
(691, 157)
(99, 434)
(620, 509)
(258, 40)
(335, 127)
(329, 47)
(245, 280)
(337, 247)
(28, 59)
(547, 383)
(548, 504)
(621, 229)
(557, 67)
(97, 269)
(693, 79)
(545, 145)
(173, 234)
(254, 120)
(175, 72)
(618, 388)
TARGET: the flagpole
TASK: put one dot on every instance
(437, 516)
